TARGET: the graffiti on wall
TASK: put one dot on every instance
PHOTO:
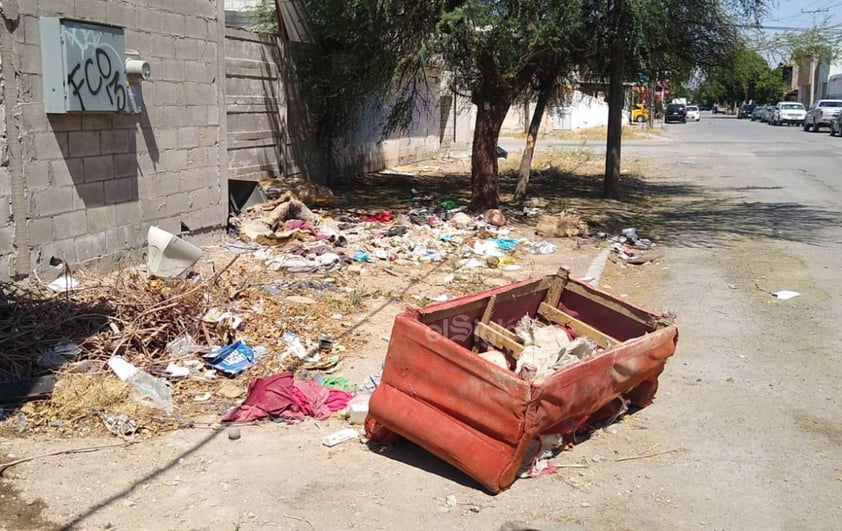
(94, 55)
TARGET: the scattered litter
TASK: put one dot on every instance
(204, 397)
(358, 408)
(785, 294)
(231, 359)
(560, 225)
(296, 348)
(339, 437)
(233, 433)
(120, 425)
(168, 255)
(174, 370)
(63, 283)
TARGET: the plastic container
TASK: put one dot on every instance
(358, 408)
(151, 391)
(340, 436)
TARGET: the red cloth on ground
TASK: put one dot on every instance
(280, 395)
(383, 216)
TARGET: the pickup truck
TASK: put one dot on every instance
(821, 114)
(787, 112)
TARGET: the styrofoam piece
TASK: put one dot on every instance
(122, 368)
(168, 255)
(340, 436)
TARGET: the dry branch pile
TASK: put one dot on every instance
(125, 314)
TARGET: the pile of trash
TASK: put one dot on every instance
(630, 248)
(287, 236)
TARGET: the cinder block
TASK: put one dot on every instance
(7, 239)
(66, 172)
(200, 157)
(61, 249)
(154, 209)
(147, 20)
(195, 27)
(96, 122)
(163, 46)
(172, 23)
(69, 225)
(125, 165)
(53, 200)
(164, 93)
(168, 5)
(196, 115)
(146, 164)
(28, 7)
(33, 115)
(121, 190)
(172, 70)
(213, 114)
(205, 9)
(40, 231)
(188, 137)
(101, 218)
(65, 122)
(91, 10)
(49, 146)
(125, 121)
(37, 175)
(31, 29)
(117, 238)
(178, 204)
(120, 14)
(198, 72)
(174, 160)
(199, 199)
(6, 267)
(208, 136)
(128, 213)
(89, 195)
(166, 138)
(29, 58)
(139, 40)
(84, 144)
(187, 49)
(90, 246)
(99, 168)
(116, 141)
(208, 53)
(190, 179)
(161, 185)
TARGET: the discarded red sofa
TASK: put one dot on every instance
(438, 393)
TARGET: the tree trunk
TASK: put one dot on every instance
(531, 135)
(484, 182)
(616, 98)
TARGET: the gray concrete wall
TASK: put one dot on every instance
(94, 183)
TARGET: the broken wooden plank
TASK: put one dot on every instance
(580, 327)
(613, 304)
(489, 309)
(455, 308)
(498, 337)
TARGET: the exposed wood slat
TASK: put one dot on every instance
(498, 337)
(582, 328)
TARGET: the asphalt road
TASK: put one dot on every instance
(754, 392)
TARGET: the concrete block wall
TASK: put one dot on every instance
(95, 182)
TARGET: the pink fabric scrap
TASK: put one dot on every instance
(280, 395)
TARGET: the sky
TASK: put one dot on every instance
(802, 14)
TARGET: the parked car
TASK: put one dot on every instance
(821, 114)
(836, 125)
(693, 113)
(767, 113)
(788, 112)
(676, 112)
(745, 111)
(758, 113)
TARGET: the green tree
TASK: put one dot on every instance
(810, 48)
(745, 77)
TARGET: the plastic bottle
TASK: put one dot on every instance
(151, 391)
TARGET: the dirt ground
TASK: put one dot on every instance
(278, 476)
